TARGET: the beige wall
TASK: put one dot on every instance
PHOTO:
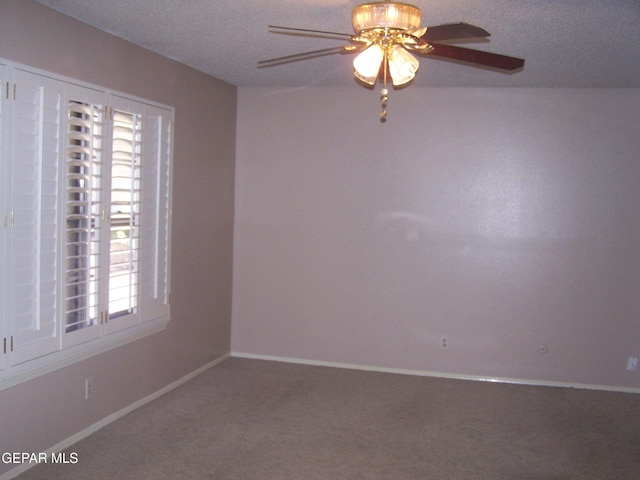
(503, 219)
(44, 411)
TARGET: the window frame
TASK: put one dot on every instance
(152, 312)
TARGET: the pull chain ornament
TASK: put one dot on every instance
(383, 99)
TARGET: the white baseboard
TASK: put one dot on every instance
(425, 373)
(66, 443)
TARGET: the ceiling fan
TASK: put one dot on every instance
(387, 34)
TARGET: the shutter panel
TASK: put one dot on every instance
(34, 203)
(125, 213)
(4, 187)
(156, 214)
(83, 220)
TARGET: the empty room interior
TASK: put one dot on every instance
(475, 228)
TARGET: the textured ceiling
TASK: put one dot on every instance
(565, 43)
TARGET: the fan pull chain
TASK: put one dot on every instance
(384, 97)
(384, 93)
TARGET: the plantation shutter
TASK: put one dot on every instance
(85, 210)
(34, 216)
(156, 214)
(83, 214)
(4, 199)
(125, 213)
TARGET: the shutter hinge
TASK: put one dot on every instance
(12, 343)
(4, 345)
(9, 219)
(9, 92)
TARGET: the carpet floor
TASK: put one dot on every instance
(260, 420)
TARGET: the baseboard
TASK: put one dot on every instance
(425, 373)
(66, 443)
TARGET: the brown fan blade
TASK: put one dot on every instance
(453, 31)
(305, 30)
(478, 57)
(303, 56)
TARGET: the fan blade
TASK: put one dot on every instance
(310, 31)
(303, 56)
(494, 60)
(453, 31)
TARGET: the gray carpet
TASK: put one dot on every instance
(259, 420)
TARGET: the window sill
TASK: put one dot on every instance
(44, 365)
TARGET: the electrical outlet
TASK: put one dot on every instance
(543, 349)
(88, 388)
(632, 364)
(444, 343)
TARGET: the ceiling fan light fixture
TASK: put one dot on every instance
(366, 66)
(387, 35)
(402, 66)
(392, 15)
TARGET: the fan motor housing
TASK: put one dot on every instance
(386, 15)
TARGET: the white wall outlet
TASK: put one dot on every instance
(444, 343)
(632, 364)
(88, 388)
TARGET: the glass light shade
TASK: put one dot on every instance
(367, 65)
(402, 65)
(401, 16)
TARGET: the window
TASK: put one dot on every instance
(83, 211)
(87, 213)
(124, 214)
